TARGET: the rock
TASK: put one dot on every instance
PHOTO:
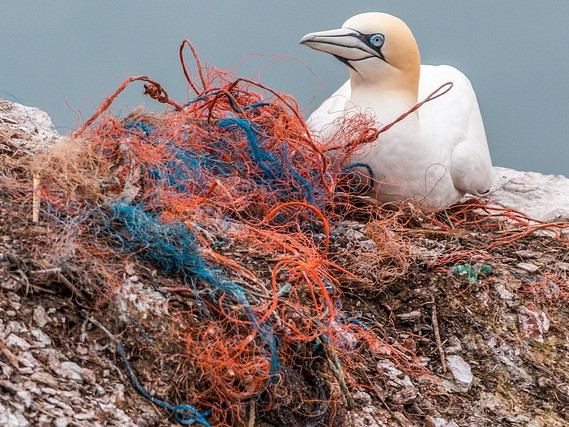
(28, 385)
(16, 327)
(509, 356)
(49, 356)
(49, 390)
(396, 377)
(533, 322)
(61, 422)
(17, 406)
(529, 254)
(6, 370)
(500, 288)
(129, 269)
(362, 397)
(118, 395)
(439, 422)
(354, 235)
(367, 414)
(454, 345)
(405, 395)
(44, 378)
(69, 395)
(542, 197)
(32, 387)
(44, 420)
(27, 360)
(488, 401)
(11, 387)
(140, 297)
(119, 415)
(350, 236)
(368, 246)
(21, 419)
(460, 370)
(25, 397)
(40, 316)
(517, 419)
(529, 267)
(15, 342)
(81, 350)
(11, 357)
(410, 316)
(88, 375)
(68, 409)
(10, 285)
(14, 299)
(42, 340)
(83, 416)
(563, 388)
(70, 370)
(9, 418)
(402, 419)
(30, 124)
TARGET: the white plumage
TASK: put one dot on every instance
(435, 155)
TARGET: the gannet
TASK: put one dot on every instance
(436, 154)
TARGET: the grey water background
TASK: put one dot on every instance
(66, 56)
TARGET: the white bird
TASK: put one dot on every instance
(436, 154)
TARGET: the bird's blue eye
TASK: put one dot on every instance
(377, 40)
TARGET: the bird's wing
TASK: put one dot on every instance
(455, 119)
(322, 119)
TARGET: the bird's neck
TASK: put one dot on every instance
(395, 85)
(386, 99)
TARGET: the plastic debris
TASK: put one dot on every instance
(472, 274)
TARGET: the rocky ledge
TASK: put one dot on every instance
(501, 360)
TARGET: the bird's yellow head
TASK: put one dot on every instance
(378, 49)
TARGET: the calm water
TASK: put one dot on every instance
(66, 56)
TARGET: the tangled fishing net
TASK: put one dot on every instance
(228, 196)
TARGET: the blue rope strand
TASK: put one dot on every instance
(184, 414)
(256, 104)
(361, 165)
(260, 156)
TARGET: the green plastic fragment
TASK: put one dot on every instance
(466, 272)
(470, 274)
(485, 269)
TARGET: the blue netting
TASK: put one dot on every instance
(172, 248)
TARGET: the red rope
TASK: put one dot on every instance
(433, 95)
(198, 63)
(153, 89)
